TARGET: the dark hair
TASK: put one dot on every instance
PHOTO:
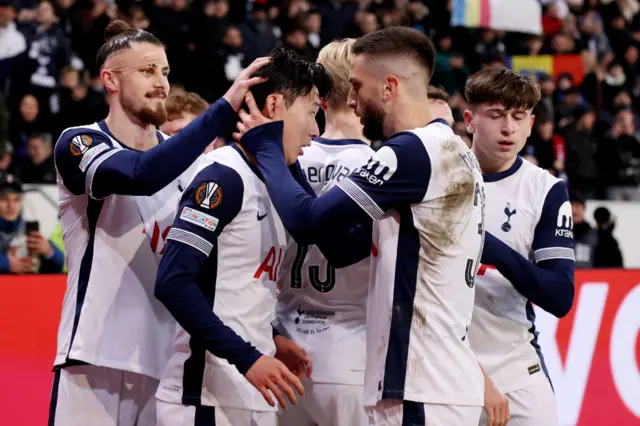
(291, 76)
(502, 86)
(118, 36)
(438, 94)
(400, 41)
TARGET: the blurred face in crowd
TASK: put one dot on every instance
(499, 133)
(141, 88)
(297, 39)
(587, 121)
(45, 14)
(38, 150)
(545, 130)
(368, 23)
(365, 97)
(10, 205)
(29, 108)
(577, 208)
(233, 38)
(313, 23)
(6, 15)
(300, 124)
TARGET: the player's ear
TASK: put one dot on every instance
(390, 86)
(468, 121)
(533, 120)
(109, 81)
(269, 109)
(323, 104)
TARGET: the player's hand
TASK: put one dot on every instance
(254, 117)
(496, 404)
(269, 374)
(235, 94)
(293, 356)
(19, 265)
(38, 244)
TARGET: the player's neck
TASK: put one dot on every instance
(343, 125)
(134, 135)
(410, 115)
(489, 164)
(250, 157)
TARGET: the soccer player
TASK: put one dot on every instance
(182, 108)
(424, 190)
(439, 104)
(118, 193)
(528, 255)
(320, 307)
(221, 264)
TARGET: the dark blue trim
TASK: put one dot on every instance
(252, 166)
(404, 292)
(205, 416)
(53, 404)
(193, 370)
(93, 213)
(103, 126)
(339, 142)
(413, 414)
(439, 120)
(495, 177)
(531, 316)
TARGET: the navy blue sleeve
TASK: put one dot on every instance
(398, 173)
(549, 283)
(89, 163)
(211, 201)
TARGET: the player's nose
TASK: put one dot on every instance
(315, 131)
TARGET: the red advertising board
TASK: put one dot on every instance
(593, 354)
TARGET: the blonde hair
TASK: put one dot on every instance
(335, 57)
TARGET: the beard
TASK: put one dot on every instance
(373, 127)
(147, 115)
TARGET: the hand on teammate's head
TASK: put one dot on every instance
(236, 93)
(274, 109)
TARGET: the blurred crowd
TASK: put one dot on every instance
(585, 131)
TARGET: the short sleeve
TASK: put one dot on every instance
(398, 173)
(553, 238)
(208, 204)
(77, 156)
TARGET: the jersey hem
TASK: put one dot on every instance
(69, 362)
(209, 404)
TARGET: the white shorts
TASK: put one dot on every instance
(186, 415)
(326, 404)
(101, 396)
(532, 406)
(395, 412)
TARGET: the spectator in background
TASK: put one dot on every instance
(6, 151)
(259, 33)
(28, 121)
(584, 235)
(439, 104)
(607, 252)
(582, 146)
(49, 51)
(38, 165)
(12, 44)
(619, 156)
(22, 253)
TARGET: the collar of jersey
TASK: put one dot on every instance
(494, 177)
(439, 120)
(339, 142)
(253, 168)
(103, 126)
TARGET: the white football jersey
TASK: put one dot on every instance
(529, 210)
(425, 190)
(244, 261)
(321, 308)
(110, 316)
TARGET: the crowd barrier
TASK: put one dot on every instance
(593, 354)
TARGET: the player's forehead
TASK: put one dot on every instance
(500, 108)
(358, 70)
(150, 55)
